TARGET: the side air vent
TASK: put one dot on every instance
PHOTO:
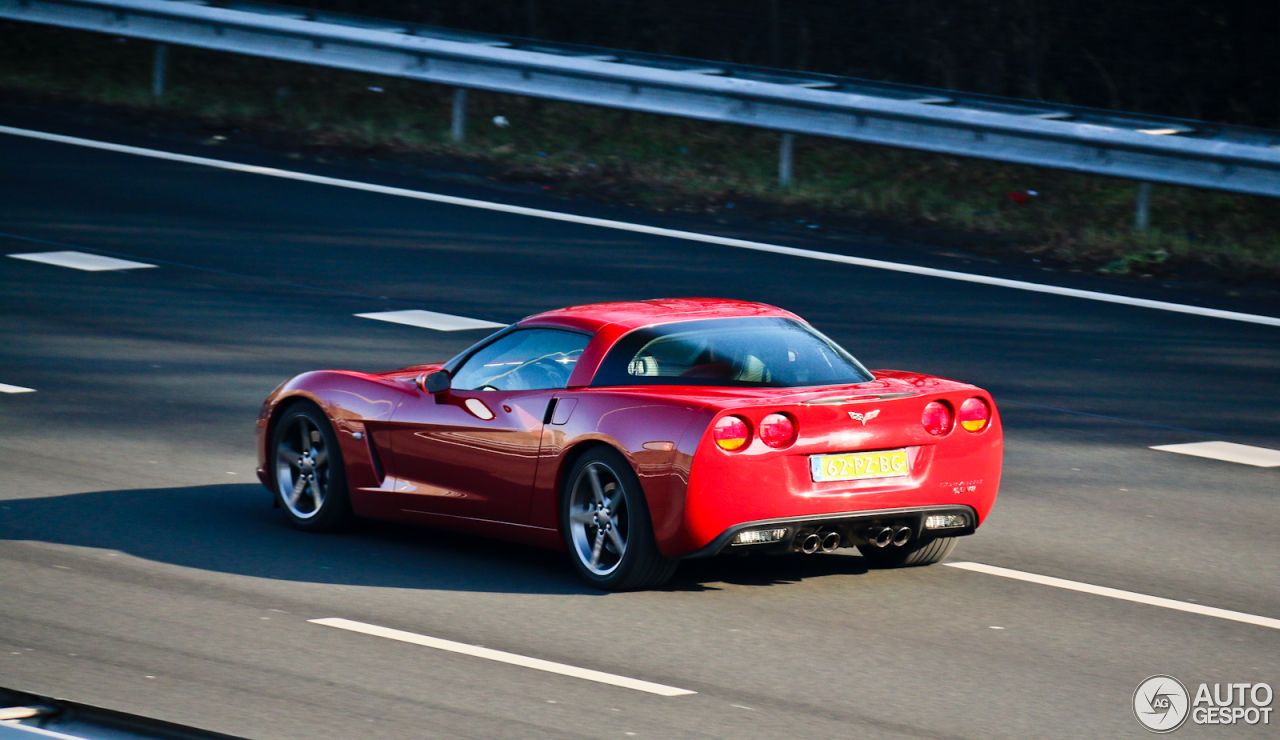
(373, 457)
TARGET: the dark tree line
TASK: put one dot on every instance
(1193, 58)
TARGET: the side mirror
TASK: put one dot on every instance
(436, 381)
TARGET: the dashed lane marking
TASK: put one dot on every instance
(502, 657)
(1115, 593)
(1261, 457)
(6, 388)
(431, 320)
(81, 261)
(651, 230)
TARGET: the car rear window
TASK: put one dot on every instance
(745, 352)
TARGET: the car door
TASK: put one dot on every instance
(473, 451)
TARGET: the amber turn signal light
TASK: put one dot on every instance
(731, 433)
(974, 414)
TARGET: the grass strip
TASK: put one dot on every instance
(1079, 222)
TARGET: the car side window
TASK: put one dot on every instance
(524, 360)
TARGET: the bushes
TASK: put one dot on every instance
(1077, 221)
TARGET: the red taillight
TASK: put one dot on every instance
(974, 414)
(936, 418)
(731, 433)
(777, 430)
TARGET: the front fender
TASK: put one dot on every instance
(355, 403)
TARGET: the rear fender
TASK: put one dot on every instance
(626, 422)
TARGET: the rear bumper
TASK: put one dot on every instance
(851, 526)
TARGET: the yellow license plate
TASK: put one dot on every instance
(859, 465)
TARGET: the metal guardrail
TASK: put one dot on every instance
(1139, 147)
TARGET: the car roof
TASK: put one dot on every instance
(627, 315)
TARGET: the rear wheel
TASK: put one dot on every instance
(310, 479)
(926, 551)
(607, 525)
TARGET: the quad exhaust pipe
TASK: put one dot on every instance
(824, 541)
(885, 536)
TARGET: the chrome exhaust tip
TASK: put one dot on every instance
(809, 545)
(831, 542)
(901, 536)
(880, 536)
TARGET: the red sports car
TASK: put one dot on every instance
(638, 434)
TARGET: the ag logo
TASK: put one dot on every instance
(1161, 704)
(864, 418)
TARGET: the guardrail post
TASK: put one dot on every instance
(1230, 159)
(159, 63)
(1142, 211)
(459, 130)
(785, 157)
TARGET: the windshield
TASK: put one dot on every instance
(745, 352)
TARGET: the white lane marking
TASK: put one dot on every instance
(81, 261)
(502, 657)
(19, 728)
(652, 230)
(431, 320)
(6, 388)
(1228, 451)
(1115, 593)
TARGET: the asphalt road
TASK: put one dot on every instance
(143, 569)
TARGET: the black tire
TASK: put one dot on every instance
(596, 517)
(308, 476)
(926, 551)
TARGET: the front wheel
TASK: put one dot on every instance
(607, 525)
(925, 551)
(310, 480)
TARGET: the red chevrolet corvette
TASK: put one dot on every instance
(635, 435)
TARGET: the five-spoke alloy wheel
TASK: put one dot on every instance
(598, 522)
(309, 476)
(607, 526)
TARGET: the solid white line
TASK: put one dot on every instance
(1115, 593)
(652, 230)
(6, 388)
(502, 657)
(81, 261)
(33, 730)
(1228, 451)
(431, 320)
